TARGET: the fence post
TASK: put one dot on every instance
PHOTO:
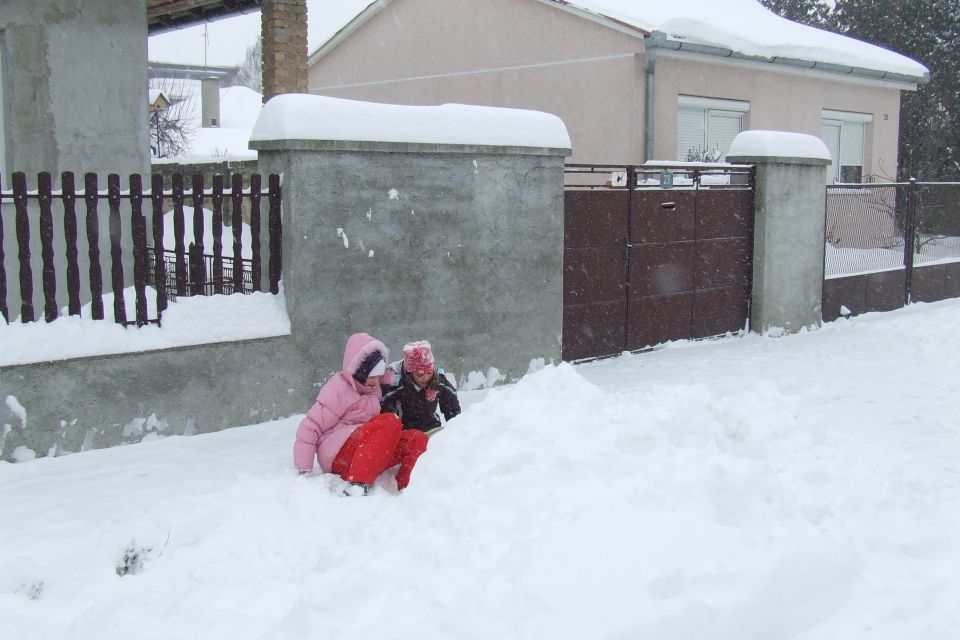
(45, 199)
(909, 241)
(116, 254)
(631, 193)
(236, 194)
(139, 229)
(198, 276)
(256, 262)
(23, 243)
(198, 212)
(178, 229)
(276, 240)
(69, 190)
(159, 264)
(217, 224)
(789, 227)
(90, 196)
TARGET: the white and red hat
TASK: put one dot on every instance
(418, 357)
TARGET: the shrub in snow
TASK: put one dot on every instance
(133, 560)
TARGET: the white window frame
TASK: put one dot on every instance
(700, 121)
(845, 134)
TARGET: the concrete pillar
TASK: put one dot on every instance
(788, 246)
(284, 36)
(210, 102)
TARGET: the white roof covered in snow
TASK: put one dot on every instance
(310, 117)
(748, 28)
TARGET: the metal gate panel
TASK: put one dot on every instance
(716, 312)
(661, 269)
(644, 265)
(723, 264)
(663, 265)
(657, 319)
(663, 216)
(594, 266)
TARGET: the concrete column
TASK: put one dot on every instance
(284, 35)
(788, 246)
(210, 102)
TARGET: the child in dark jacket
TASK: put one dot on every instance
(419, 389)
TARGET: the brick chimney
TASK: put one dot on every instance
(284, 33)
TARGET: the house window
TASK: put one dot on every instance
(844, 132)
(707, 126)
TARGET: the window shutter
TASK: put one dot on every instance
(691, 131)
(830, 134)
(723, 128)
(851, 144)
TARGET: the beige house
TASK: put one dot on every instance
(633, 80)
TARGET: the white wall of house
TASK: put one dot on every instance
(503, 53)
(532, 55)
(781, 98)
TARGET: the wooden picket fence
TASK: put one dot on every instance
(191, 273)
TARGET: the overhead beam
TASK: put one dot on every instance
(166, 15)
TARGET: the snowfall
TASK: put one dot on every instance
(749, 487)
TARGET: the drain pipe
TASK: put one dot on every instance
(651, 71)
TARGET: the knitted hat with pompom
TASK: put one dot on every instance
(418, 357)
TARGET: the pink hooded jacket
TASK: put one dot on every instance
(342, 405)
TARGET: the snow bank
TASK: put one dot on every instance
(186, 322)
(806, 487)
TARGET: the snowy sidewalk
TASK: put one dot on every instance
(806, 487)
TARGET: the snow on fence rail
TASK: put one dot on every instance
(656, 174)
(183, 270)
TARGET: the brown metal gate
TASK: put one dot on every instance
(644, 264)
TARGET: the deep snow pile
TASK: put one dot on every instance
(750, 488)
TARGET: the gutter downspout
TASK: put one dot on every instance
(649, 125)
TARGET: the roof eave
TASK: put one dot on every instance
(659, 39)
(168, 15)
(346, 31)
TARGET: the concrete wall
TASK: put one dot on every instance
(462, 246)
(88, 403)
(459, 245)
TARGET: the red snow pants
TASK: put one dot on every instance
(375, 447)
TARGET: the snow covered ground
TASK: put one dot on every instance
(806, 487)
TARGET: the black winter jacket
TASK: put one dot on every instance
(408, 401)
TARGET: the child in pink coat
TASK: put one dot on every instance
(344, 429)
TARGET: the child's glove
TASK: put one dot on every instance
(431, 394)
